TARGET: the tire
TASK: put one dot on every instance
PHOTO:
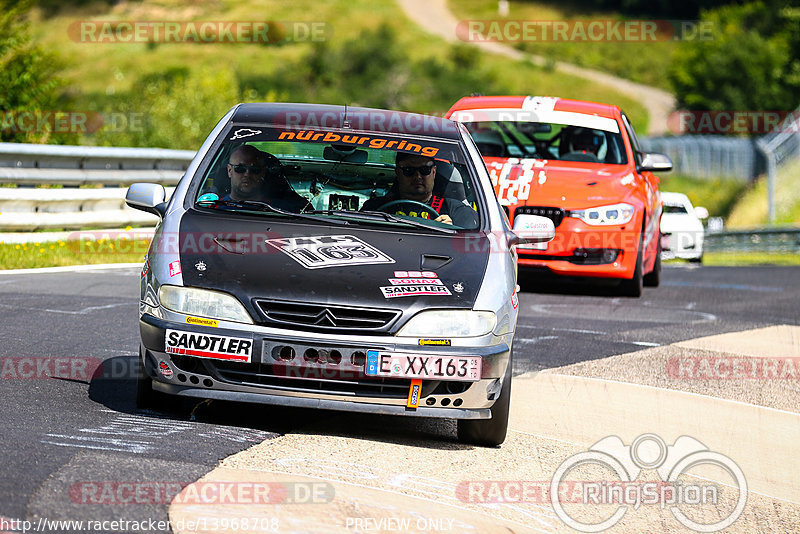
(699, 259)
(653, 278)
(489, 432)
(146, 397)
(633, 287)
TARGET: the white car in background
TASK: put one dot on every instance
(681, 228)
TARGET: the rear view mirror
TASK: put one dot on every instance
(534, 127)
(147, 197)
(344, 153)
(529, 229)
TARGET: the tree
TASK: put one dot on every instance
(750, 62)
(27, 78)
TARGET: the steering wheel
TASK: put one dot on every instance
(412, 203)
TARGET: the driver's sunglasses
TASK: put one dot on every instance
(424, 170)
(241, 168)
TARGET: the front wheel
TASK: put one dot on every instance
(146, 397)
(633, 287)
(489, 432)
(653, 278)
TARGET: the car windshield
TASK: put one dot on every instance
(675, 208)
(337, 175)
(548, 141)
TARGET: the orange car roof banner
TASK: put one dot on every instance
(359, 140)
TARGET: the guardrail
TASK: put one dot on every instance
(769, 240)
(90, 184)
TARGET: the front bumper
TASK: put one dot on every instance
(686, 245)
(579, 249)
(278, 374)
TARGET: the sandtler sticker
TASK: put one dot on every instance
(209, 346)
(175, 268)
(390, 292)
(317, 252)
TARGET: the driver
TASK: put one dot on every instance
(415, 178)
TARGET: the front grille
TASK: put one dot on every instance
(554, 214)
(325, 317)
(579, 257)
(334, 380)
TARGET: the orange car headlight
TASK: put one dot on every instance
(605, 215)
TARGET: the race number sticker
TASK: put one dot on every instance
(512, 179)
(318, 252)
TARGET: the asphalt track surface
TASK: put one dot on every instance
(60, 436)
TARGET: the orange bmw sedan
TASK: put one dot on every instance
(581, 165)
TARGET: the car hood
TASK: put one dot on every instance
(567, 185)
(231, 253)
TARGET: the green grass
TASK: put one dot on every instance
(741, 259)
(718, 195)
(97, 73)
(752, 208)
(60, 253)
(640, 61)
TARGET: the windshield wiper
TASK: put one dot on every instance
(266, 207)
(379, 215)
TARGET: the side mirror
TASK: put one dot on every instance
(700, 212)
(530, 229)
(654, 162)
(147, 197)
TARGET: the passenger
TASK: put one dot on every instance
(415, 178)
(256, 175)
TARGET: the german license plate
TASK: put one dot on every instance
(466, 368)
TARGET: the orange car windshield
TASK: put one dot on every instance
(541, 140)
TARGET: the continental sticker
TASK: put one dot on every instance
(438, 342)
(209, 346)
(202, 321)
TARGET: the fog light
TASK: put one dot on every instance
(609, 255)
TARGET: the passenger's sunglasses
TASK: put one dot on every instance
(424, 170)
(241, 168)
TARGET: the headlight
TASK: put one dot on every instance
(449, 323)
(605, 215)
(204, 303)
